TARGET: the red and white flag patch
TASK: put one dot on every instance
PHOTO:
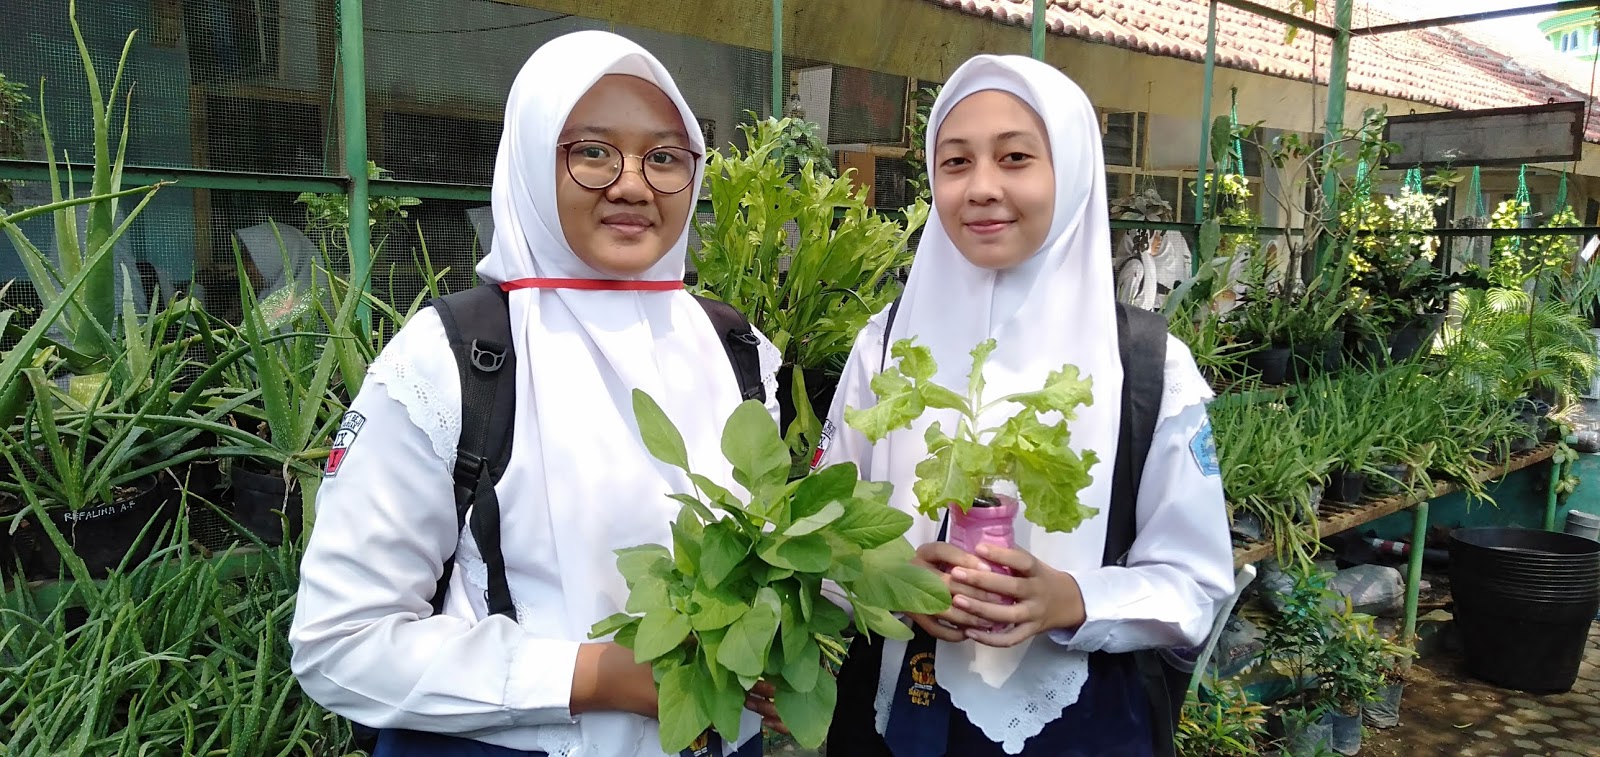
(349, 428)
(822, 445)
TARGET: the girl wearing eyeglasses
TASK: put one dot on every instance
(593, 190)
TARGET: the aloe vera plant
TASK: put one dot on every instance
(175, 655)
(89, 326)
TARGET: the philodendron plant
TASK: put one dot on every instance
(1022, 449)
(739, 597)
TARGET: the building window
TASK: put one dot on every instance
(1124, 138)
(1594, 37)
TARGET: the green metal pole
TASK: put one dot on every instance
(1205, 120)
(778, 85)
(1338, 77)
(1419, 540)
(1041, 9)
(1550, 497)
(352, 53)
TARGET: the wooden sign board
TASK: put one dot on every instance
(1498, 137)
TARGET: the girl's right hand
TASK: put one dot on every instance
(952, 624)
(606, 679)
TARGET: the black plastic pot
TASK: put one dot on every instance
(1346, 487)
(1398, 476)
(1368, 351)
(105, 535)
(820, 386)
(1271, 365)
(9, 507)
(1409, 339)
(1524, 601)
(1384, 712)
(1531, 415)
(1346, 736)
(1305, 361)
(1302, 740)
(259, 497)
(1333, 353)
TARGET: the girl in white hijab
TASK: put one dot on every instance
(593, 189)
(1022, 254)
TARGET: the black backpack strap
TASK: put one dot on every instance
(740, 341)
(478, 324)
(1142, 346)
(888, 323)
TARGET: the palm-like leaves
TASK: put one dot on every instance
(1507, 344)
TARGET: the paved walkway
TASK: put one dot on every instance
(1445, 711)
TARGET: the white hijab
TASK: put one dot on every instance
(1056, 308)
(579, 466)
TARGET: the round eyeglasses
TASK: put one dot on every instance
(597, 165)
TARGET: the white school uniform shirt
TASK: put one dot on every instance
(580, 483)
(366, 644)
(1181, 562)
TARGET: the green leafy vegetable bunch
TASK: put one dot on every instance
(1023, 449)
(739, 598)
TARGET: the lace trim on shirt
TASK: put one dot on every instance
(437, 415)
(1020, 711)
(1184, 384)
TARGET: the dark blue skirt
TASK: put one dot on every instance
(1110, 719)
(394, 743)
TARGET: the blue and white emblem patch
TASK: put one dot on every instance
(1203, 446)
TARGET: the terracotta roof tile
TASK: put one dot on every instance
(1451, 67)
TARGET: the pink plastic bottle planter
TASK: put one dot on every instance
(992, 521)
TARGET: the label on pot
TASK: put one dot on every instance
(102, 511)
(1203, 446)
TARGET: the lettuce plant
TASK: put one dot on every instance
(1023, 449)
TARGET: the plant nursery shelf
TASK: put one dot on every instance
(1338, 518)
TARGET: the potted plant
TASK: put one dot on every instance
(1267, 318)
(804, 258)
(985, 471)
(739, 597)
(1391, 661)
(1349, 662)
(1337, 411)
(1221, 721)
(1294, 644)
(1270, 470)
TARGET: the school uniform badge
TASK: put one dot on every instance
(1203, 446)
(822, 444)
(349, 428)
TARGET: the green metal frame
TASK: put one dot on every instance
(1041, 26)
(353, 59)
(779, 86)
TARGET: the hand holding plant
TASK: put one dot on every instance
(739, 598)
(1023, 449)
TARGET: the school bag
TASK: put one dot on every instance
(1142, 348)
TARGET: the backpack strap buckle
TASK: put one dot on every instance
(488, 356)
